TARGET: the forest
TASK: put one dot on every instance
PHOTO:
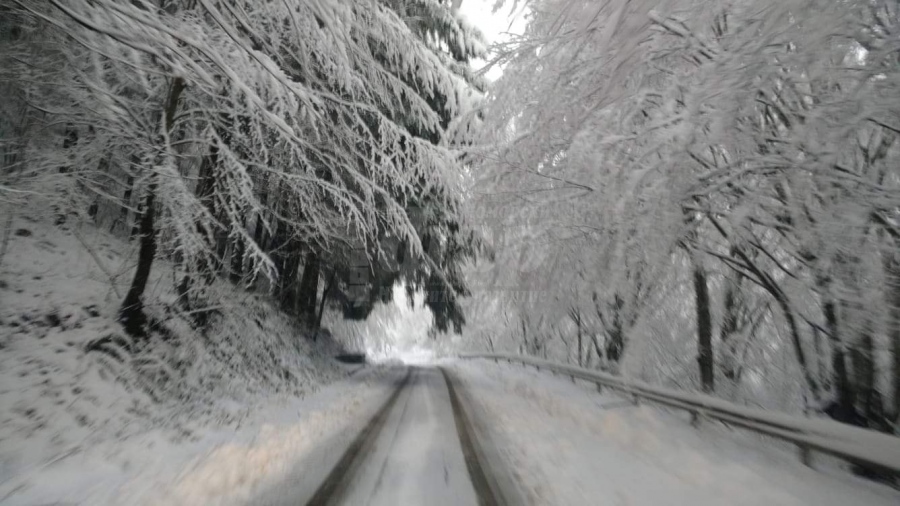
(700, 195)
(282, 145)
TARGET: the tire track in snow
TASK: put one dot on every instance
(360, 474)
(484, 486)
(337, 480)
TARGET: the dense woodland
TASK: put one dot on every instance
(292, 146)
(702, 194)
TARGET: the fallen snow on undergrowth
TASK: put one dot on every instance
(75, 389)
(567, 444)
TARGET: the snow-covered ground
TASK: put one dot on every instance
(567, 444)
(220, 467)
(83, 408)
(251, 412)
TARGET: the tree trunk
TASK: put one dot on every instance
(796, 340)
(845, 404)
(871, 404)
(726, 334)
(131, 314)
(892, 267)
(237, 260)
(325, 293)
(616, 345)
(597, 349)
(288, 286)
(525, 338)
(309, 289)
(205, 191)
(580, 344)
(69, 141)
(704, 330)
(575, 314)
(94, 207)
(259, 230)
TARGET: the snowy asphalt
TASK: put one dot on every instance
(478, 433)
(417, 449)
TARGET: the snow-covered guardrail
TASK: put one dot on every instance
(860, 446)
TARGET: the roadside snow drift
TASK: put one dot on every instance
(82, 405)
(567, 444)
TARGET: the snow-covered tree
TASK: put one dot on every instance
(718, 176)
(246, 137)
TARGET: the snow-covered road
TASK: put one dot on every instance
(416, 448)
(416, 457)
(539, 439)
(495, 434)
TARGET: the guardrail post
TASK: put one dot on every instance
(635, 400)
(695, 418)
(573, 377)
(599, 388)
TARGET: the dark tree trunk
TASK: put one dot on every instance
(237, 260)
(869, 398)
(131, 314)
(69, 141)
(102, 168)
(288, 286)
(729, 327)
(325, 293)
(892, 268)
(616, 345)
(704, 331)
(844, 408)
(309, 288)
(575, 314)
(221, 250)
(796, 340)
(580, 343)
(259, 228)
(525, 338)
(597, 349)
(205, 192)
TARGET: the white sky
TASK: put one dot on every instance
(493, 25)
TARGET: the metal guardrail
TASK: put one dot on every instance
(856, 445)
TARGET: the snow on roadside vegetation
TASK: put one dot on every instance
(568, 444)
(74, 388)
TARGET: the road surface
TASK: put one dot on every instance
(506, 435)
(418, 449)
